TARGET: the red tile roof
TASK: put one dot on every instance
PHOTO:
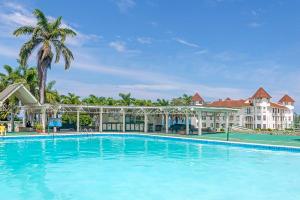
(275, 105)
(229, 103)
(286, 99)
(197, 97)
(261, 93)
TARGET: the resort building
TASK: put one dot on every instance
(256, 112)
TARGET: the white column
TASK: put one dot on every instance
(54, 116)
(123, 121)
(43, 118)
(145, 123)
(199, 123)
(167, 122)
(100, 120)
(215, 116)
(78, 121)
(227, 122)
(187, 127)
(24, 118)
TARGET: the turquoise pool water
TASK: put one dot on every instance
(115, 167)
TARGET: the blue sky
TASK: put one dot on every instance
(161, 49)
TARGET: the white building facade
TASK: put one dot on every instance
(256, 112)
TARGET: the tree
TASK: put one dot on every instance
(44, 35)
(52, 96)
(162, 102)
(11, 76)
(126, 99)
(71, 98)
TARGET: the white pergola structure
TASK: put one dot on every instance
(31, 106)
(164, 111)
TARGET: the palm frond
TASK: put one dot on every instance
(68, 56)
(23, 30)
(27, 49)
(68, 32)
(8, 69)
(41, 19)
(50, 85)
(56, 23)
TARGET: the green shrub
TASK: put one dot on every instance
(39, 127)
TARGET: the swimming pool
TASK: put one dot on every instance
(135, 167)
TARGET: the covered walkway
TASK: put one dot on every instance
(114, 118)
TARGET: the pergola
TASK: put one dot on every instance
(31, 105)
(164, 111)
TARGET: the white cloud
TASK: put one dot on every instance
(125, 5)
(8, 51)
(13, 15)
(186, 43)
(118, 46)
(121, 47)
(144, 40)
(204, 51)
(254, 25)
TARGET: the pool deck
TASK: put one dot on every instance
(267, 139)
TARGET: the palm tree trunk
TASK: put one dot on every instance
(44, 62)
(42, 70)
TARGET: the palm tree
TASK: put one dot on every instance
(162, 102)
(187, 100)
(44, 35)
(126, 99)
(92, 99)
(71, 98)
(52, 96)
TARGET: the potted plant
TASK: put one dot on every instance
(39, 128)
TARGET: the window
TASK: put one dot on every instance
(248, 110)
(231, 117)
(265, 117)
(204, 125)
(258, 126)
(203, 117)
(264, 126)
(258, 117)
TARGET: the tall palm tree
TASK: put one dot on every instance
(45, 35)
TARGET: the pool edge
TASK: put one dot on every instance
(194, 140)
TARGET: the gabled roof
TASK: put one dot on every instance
(261, 93)
(286, 99)
(197, 97)
(276, 105)
(229, 103)
(20, 91)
